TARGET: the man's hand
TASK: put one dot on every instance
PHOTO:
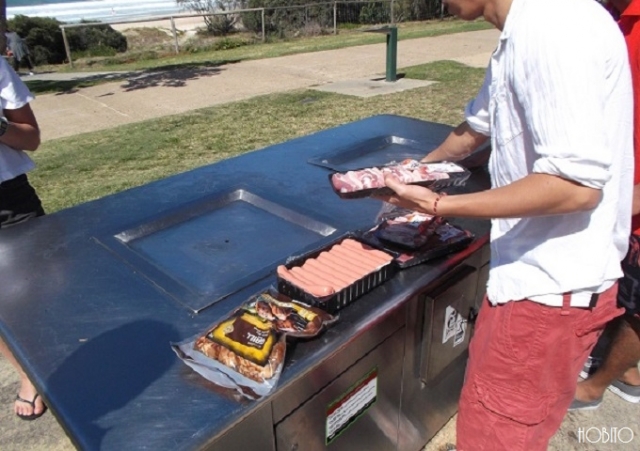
(413, 197)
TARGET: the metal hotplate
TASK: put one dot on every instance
(376, 151)
(202, 252)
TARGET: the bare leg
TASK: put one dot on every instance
(27, 390)
(621, 362)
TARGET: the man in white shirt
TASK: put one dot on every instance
(557, 106)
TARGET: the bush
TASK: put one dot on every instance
(374, 13)
(44, 39)
(282, 17)
(93, 40)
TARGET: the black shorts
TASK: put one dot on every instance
(19, 202)
(629, 286)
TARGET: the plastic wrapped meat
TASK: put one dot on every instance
(409, 171)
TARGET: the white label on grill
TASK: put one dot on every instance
(344, 411)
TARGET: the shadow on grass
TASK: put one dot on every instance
(173, 75)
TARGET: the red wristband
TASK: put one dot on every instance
(435, 203)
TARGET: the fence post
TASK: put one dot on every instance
(66, 46)
(335, 17)
(391, 14)
(175, 35)
(264, 37)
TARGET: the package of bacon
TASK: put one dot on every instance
(414, 237)
(370, 181)
(288, 316)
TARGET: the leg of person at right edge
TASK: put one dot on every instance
(524, 361)
(619, 368)
(620, 363)
(27, 390)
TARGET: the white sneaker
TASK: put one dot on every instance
(31, 73)
(630, 393)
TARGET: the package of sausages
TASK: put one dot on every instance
(246, 350)
(414, 237)
(243, 352)
(335, 275)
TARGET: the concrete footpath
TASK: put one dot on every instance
(151, 95)
(140, 97)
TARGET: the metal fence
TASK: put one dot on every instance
(286, 21)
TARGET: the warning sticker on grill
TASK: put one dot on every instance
(345, 410)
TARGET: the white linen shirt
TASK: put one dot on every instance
(557, 99)
(14, 94)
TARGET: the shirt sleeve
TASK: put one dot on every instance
(477, 111)
(565, 100)
(14, 93)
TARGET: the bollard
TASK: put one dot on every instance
(392, 49)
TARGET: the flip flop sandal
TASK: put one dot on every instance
(32, 403)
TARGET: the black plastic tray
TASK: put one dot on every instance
(434, 248)
(455, 179)
(344, 297)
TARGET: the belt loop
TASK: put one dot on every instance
(566, 304)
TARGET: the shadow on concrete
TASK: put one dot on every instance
(169, 76)
(175, 75)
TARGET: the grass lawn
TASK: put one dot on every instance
(92, 165)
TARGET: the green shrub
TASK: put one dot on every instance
(82, 39)
(44, 39)
(374, 13)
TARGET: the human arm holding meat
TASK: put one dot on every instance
(534, 195)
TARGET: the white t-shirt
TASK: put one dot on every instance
(13, 95)
(557, 99)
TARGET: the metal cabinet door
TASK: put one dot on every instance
(446, 328)
(359, 410)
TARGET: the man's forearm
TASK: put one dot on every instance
(461, 142)
(534, 195)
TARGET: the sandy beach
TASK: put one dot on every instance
(182, 23)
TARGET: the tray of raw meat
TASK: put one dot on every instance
(415, 237)
(370, 181)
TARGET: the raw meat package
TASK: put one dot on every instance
(288, 316)
(370, 181)
(414, 237)
(333, 276)
(246, 350)
(243, 352)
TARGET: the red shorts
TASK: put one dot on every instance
(524, 361)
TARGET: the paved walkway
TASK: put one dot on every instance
(140, 98)
(149, 96)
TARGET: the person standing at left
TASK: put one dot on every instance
(19, 201)
(19, 50)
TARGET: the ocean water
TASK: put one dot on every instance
(72, 11)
